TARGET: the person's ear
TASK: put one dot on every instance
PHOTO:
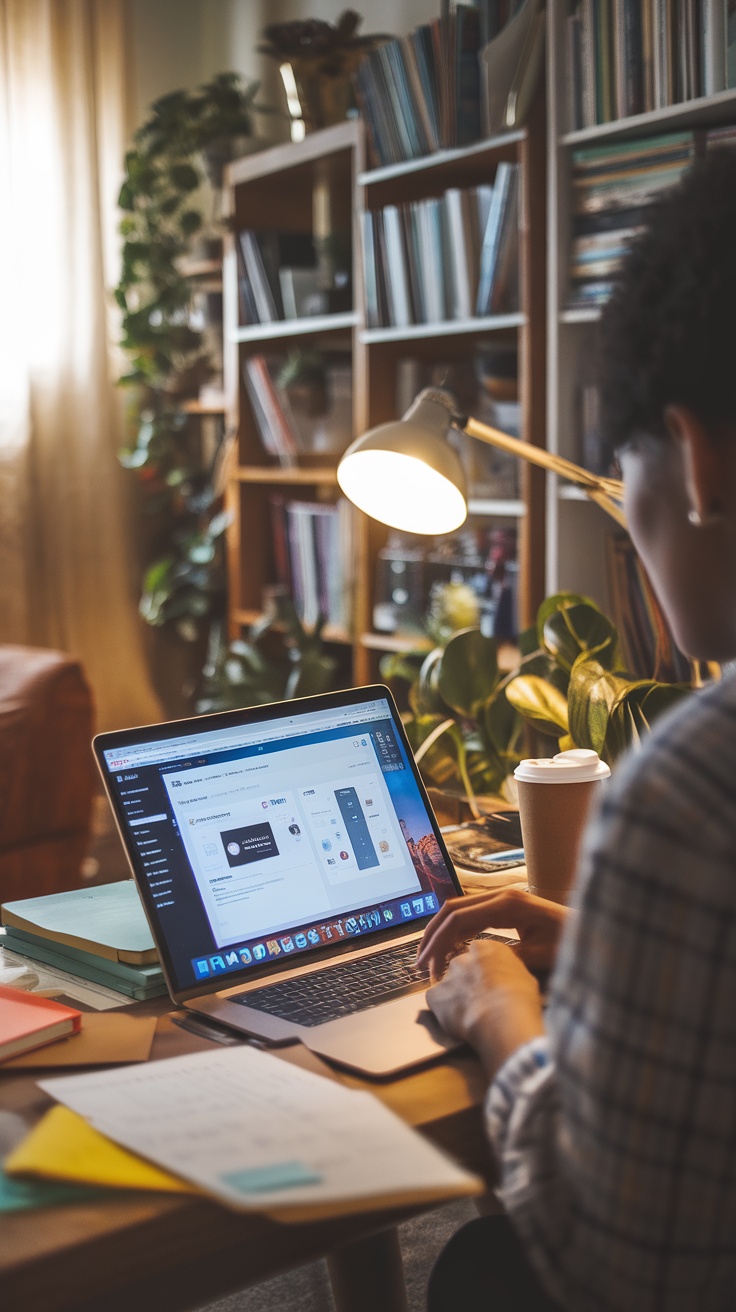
(702, 463)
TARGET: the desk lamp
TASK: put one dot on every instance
(406, 475)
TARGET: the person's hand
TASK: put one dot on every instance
(538, 922)
(490, 1000)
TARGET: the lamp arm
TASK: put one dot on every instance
(606, 492)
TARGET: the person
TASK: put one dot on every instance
(613, 1113)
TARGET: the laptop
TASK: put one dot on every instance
(288, 861)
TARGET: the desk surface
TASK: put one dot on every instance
(160, 1252)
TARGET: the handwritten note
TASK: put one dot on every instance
(260, 1133)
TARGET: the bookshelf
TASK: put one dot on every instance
(578, 533)
(276, 190)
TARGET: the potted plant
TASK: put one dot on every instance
(469, 722)
(165, 206)
(279, 658)
(316, 61)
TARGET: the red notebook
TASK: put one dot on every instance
(27, 1021)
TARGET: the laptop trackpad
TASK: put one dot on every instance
(382, 1040)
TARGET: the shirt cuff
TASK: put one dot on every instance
(520, 1068)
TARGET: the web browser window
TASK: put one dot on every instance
(281, 835)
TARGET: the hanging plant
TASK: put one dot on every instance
(165, 204)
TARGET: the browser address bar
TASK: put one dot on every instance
(167, 748)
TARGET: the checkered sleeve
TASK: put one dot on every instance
(616, 1133)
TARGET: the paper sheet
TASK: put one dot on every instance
(101, 1041)
(261, 1134)
(64, 1147)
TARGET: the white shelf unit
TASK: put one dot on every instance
(577, 529)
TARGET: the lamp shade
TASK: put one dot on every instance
(405, 474)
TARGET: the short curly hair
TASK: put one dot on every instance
(668, 333)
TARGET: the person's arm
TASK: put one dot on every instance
(614, 1134)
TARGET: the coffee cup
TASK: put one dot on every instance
(555, 798)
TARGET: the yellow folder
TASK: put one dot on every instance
(64, 1147)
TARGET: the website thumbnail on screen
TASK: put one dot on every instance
(279, 839)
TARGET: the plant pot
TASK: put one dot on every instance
(319, 89)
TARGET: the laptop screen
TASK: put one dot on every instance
(267, 834)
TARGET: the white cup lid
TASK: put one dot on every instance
(579, 765)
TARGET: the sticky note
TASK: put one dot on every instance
(277, 1175)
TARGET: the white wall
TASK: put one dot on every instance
(182, 43)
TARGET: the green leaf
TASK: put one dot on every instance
(184, 177)
(468, 672)
(539, 701)
(190, 222)
(502, 723)
(636, 708)
(578, 626)
(591, 696)
(424, 697)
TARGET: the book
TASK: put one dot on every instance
(271, 415)
(492, 237)
(107, 920)
(28, 1021)
(135, 981)
(510, 66)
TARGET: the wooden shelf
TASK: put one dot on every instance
(205, 407)
(496, 508)
(444, 159)
(318, 323)
(447, 328)
(246, 617)
(705, 111)
(397, 642)
(277, 474)
(581, 314)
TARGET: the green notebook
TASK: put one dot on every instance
(107, 921)
(146, 982)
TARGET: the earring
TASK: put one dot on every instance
(706, 520)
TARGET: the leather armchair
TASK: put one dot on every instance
(47, 775)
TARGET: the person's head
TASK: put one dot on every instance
(668, 398)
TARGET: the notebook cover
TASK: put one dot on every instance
(107, 920)
(27, 1021)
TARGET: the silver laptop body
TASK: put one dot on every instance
(274, 845)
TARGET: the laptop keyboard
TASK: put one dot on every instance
(340, 990)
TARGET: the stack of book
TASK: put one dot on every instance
(421, 92)
(312, 415)
(313, 549)
(632, 56)
(278, 276)
(447, 257)
(98, 933)
(725, 136)
(612, 187)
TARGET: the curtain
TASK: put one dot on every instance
(67, 562)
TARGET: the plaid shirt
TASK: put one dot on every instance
(616, 1133)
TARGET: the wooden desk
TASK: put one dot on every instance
(160, 1253)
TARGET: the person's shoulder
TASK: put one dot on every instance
(677, 787)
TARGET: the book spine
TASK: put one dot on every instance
(714, 46)
(491, 238)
